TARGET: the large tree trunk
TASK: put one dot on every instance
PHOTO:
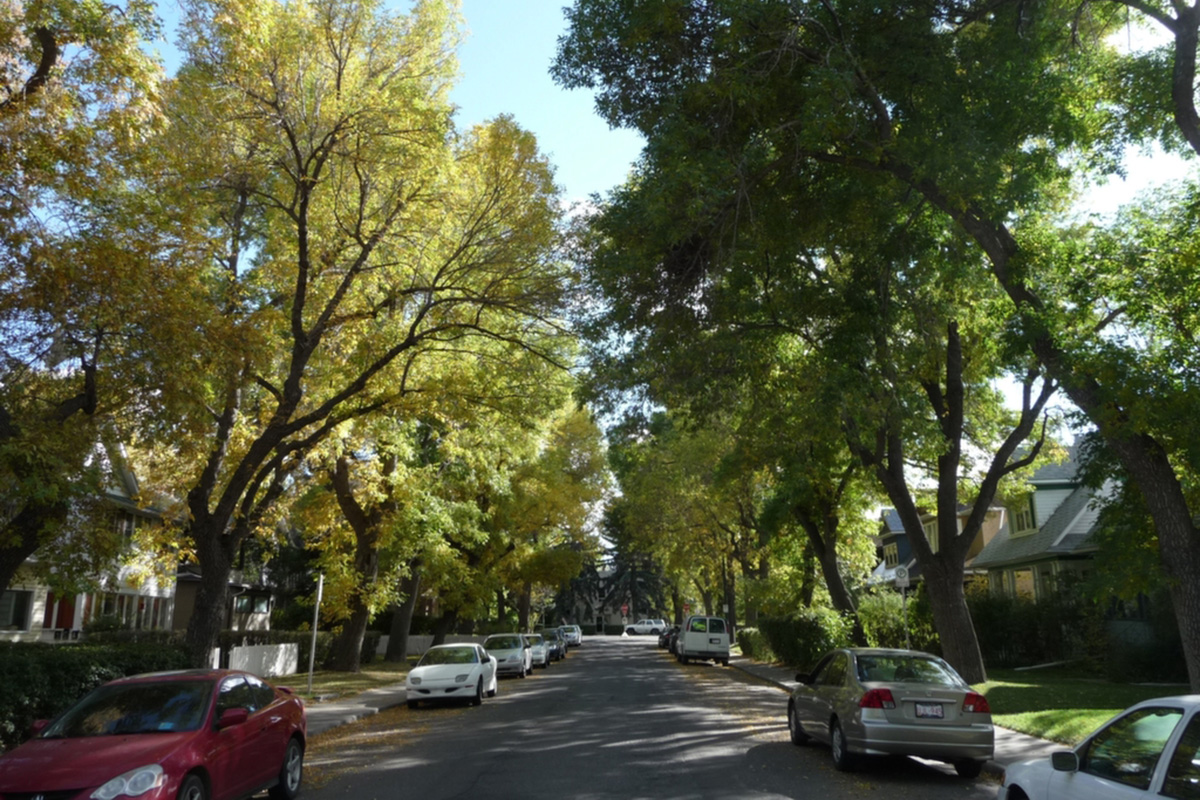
(523, 604)
(727, 587)
(824, 546)
(347, 656)
(444, 626)
(210, 613)
(948, 601)
(1178, 539)
(410, 586)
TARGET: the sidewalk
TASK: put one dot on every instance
(331, 714)
(1011, 746)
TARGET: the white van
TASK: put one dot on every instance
(704, 639)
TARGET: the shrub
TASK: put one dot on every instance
(754, 645)
(37, 681)
(1018, 632)
(105, 623)
(883, 616)
(801, 639)
(1154, 655)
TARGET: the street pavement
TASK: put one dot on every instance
(1011, 746)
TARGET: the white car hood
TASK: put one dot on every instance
(441, 672)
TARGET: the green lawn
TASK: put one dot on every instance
(329, 685)
(1058, 705)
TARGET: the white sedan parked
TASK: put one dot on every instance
(1151, 749)
(452, 672)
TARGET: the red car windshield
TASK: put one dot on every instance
(158, 707)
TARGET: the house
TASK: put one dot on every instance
(896, 550)
(134, 593)
(249, 606)
(1047, 536)
(131, 591)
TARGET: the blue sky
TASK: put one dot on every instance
(505, 63)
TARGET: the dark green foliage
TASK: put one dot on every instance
(1154, 655)
(103, 624)
(802, 638)
(1017, 632)
(754, 645)
(883, 616)
(39, 681)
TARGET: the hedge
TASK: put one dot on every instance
(753, 643)
(801, 639)
(37, 681)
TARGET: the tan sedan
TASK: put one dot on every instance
(891, 702)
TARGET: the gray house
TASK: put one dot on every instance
(1047, 535)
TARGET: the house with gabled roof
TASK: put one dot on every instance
(127, 591)
(1048, 535)
(896, 550)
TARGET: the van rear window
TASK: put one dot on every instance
(707, 625)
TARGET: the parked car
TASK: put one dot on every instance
(191, 735)
(664, 638)
(512, 653)
(452, 672)
(899, 702)
(573, 634)
(651, 626)
(703, 638)
(558, 644)
(539, 649)
(673, 638)
(1123, 758)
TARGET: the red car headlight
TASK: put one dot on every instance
(132, 784)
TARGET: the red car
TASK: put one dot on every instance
(194, 735)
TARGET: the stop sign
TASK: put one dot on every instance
(625, 610)
(687, 608)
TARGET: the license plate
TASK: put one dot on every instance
(930, 711)
(714, 641)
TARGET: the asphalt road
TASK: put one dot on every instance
(618, 719)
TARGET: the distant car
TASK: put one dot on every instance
(703, 638)
(539, 649)
(452, 672)
(190, 735)
(573, 634)
(1151, 749)
(557, 643)
(512, 653)
(651, 626)
(664, 638)
(897, 702)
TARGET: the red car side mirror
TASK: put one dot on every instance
(231, 717)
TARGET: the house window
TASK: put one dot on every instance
(244, 604)
(931, 534)
(891, 554)
(1023, 519)
(1023, 583)
(126, 523)
(14, 610)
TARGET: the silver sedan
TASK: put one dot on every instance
(891, 702)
